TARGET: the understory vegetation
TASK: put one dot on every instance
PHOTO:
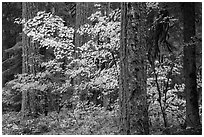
(75, 89)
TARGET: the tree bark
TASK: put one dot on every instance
(142, 32)
(133, 89)
(138, 58)
(124, 86)
(30, 54)
(192, 110)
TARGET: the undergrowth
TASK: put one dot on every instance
(89, 120)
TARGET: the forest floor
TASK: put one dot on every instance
(66, 123)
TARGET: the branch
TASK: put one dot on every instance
(160, 103)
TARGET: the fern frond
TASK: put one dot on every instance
(15, 48)
(11, 60)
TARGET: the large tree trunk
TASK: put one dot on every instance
(192, 111)
(124, 91)
(133, 88)
(30, 54)
(138, 57)
(142, 77)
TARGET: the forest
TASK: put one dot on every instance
(101, 68)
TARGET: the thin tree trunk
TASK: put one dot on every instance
(83, 11)
(160, 100)
(192, 111)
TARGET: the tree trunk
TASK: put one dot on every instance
(83, 11)
(142, 77)
(124, 74)
(133, 88)
(30, 54)
(138, 58)
(192, 111)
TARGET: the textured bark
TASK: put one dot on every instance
(137, 68)
(30, 54)
(124, 80)
(133, 89)
(192, 111)
(142, 32)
